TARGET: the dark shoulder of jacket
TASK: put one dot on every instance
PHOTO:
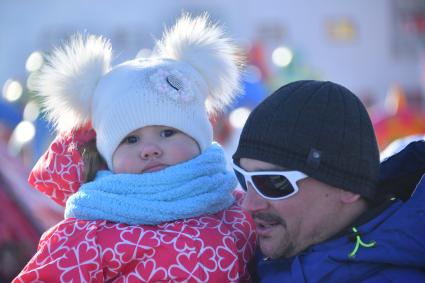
(400, 173)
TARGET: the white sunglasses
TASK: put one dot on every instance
(272, 185)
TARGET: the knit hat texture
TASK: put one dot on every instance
(193, 72)
(319, 128)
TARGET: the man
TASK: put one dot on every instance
(309, 161)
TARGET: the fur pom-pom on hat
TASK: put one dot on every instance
(204, 46)
(67, 82)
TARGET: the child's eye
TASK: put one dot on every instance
(168, 133)
(130, 139)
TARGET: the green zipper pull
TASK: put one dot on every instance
(359, 243)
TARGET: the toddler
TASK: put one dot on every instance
(166, 209)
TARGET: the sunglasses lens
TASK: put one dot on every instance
(241, 180)
(273, 186)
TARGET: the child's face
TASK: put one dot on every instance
(153, 148)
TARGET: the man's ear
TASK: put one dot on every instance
(349, 197)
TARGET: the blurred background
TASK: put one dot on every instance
(375, 48)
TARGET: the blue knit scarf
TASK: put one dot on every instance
(199, 186)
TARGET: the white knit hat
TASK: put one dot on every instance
(193, 72)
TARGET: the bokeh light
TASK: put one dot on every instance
(282, 56)
(24, 132)
(31, 111)
(12, 90)
(238, 117)
(31, 80)
(34, 62)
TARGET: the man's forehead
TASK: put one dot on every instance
(259, 165)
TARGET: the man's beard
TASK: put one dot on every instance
(284, 249)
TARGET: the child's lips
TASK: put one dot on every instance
(153, 167)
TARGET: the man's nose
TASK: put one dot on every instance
(253, 202)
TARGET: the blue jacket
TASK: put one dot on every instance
(398, 254)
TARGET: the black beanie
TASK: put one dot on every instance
(319, 128)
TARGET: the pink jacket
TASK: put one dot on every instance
(209, 248)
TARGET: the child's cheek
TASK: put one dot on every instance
(122, 164)
(185, 153)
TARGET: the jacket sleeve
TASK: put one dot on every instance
(64, 258)
(59, 171)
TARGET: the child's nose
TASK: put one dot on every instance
(150, 150)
